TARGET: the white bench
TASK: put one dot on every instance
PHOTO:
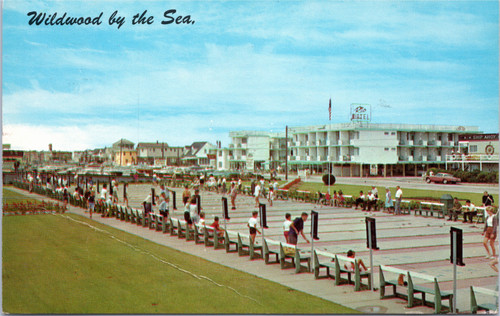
(328, 264)
(228, 241)
(413, 289)
(358, 275)
(244, 241)
(212, 238)
(474, 306)
(430, 208)
(288, 251)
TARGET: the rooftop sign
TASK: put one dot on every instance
(361, 112)
(487, 137)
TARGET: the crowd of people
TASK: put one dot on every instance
(292, 229)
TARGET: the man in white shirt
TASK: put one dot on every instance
(371, 201)
(469, 211)
(104, 193)
(399, 197)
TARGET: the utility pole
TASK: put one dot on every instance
(121, 145)
(286, 154)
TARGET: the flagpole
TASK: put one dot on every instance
(329, 164)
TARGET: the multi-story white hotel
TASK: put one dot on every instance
(362, 148)
(253, 150)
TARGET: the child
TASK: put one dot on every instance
(352, 254)
(328, 199)
(252, 225)
(335, 199)
(186, 195)
(201, 222)
(341, 198)
(91, 200)
(216, 227)
(286, 225)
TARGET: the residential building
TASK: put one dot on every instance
(148, 152)
(123, 144)
(121, 151)
(12, 159)
(253, 150)
(159, 154)
(476, 152)
(126, 157)
(363, 148)
(197, 154)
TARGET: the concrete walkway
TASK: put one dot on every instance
(415, 243)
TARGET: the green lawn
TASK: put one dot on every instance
(353, 190)
(54, 265)
(9, 196)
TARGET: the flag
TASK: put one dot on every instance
(330, 109)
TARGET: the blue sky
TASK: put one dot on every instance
(243, 65)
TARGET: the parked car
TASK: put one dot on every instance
(443, 178)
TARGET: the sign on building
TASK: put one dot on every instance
(361, 112)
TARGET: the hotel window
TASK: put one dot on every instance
(386, 149)
(393, 149)
(393, 133)
(386, 133)
(473, 148)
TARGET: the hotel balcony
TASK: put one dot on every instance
(345, 158)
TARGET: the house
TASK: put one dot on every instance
(197, 154)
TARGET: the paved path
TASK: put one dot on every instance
(410, 242)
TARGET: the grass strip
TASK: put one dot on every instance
(54, 265)
(352, 189)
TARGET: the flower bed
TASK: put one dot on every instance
(31, 208)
